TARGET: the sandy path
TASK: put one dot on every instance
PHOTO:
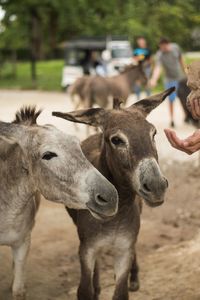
(169, 241)
(11, 101)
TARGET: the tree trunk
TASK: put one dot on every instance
(14, 63)
(53, 25)
(35, 43)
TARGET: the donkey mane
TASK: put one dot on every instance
(116, 103)
(27, 115)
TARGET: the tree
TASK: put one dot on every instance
(41, 25)
(33, 18)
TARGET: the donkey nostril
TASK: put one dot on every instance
(145, 186)
(100, 200)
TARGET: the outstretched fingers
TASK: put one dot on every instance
(189, 145)
(195, 108)
(193, 139)
(173, 139)
(193, 142)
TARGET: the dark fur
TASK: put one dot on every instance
(91, 230)
(27, 115)
(120, 232)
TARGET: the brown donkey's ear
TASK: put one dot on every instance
(92, 116)
(148, 104)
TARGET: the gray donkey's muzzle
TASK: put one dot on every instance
(103, 197)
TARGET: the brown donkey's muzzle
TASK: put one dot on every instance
(152, 184)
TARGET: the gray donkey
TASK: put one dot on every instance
(125, 153)
(38, 160)
(97, 90)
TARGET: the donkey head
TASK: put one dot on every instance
(63, 174)
(129, 143)
(53, 164)
(135, 73)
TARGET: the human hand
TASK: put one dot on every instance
(189, 145)
(193, 105)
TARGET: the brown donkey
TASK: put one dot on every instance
(97, 90)
(125, 153)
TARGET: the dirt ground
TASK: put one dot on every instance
(169, 240)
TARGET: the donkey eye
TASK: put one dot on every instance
(49, 155)
(117, 141)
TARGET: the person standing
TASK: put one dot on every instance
(191, 144)
(169, 58)
(142, 54)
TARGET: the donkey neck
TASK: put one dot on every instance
(15, 181)
(15, 185)
(17, 211)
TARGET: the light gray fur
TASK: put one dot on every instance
(25, 174)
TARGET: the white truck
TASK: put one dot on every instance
(81, 56)
(119, 54)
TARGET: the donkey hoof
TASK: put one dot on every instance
(21, 295)
(97, 293)
(134, 286)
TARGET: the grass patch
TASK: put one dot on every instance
(49, 75)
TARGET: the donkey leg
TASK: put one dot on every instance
(87, 130)
(96, 283)
(87, 261)
(78, 104)
(134, 283)
(122, 268)
(20, 253)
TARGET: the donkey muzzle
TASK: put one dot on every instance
(152, 185)
(104, 198)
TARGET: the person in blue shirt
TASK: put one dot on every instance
(142, 54)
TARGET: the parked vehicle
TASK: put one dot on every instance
(104, 57)
(120, 52)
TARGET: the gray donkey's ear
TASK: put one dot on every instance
(7, 147)
(148, 104)
(91, 116)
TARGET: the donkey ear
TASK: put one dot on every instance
(148, 104)
(92, 116)
(7, 146)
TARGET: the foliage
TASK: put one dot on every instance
(66, 19)
(40, 26)
(49, 76)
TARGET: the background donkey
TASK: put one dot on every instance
(97, 90)
(125, 153)
(41, 159)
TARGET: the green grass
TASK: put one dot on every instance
(49, 75)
